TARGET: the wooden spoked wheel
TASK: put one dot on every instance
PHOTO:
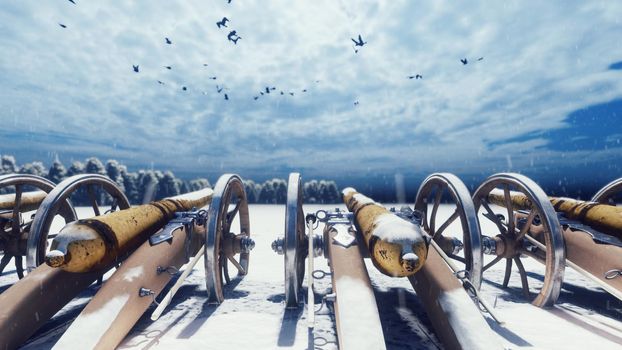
(222, 246)
(460, 242)
(529, 228)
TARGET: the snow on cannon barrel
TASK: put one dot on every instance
(91, 244)
(398, 248)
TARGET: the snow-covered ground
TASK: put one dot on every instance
(253, 314)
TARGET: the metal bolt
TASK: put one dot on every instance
(489, 245)
(145, 292)
(246, 244)
(457, 244)
(278, 245)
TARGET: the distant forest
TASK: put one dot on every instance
(143, 186)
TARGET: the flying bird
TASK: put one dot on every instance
(464, 61)
(356, 103)
(416, 76)
(360, 42)
(291, 93)
(204, 64)
(213, 78)
(73, 2)
(261, 93)
(233, 36)
(282, 93)
(160, 82)
(184, 88)
(255, 98)
(226, 97)
(304, 90)
(267, 90)
(168, 67)
(228, 1)
(219, 89)
(481, 58)
(223, 22)
(62, 25)
(168, 41)
(135, 68)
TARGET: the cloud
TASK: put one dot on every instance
(542, 61)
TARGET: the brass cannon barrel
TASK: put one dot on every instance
(603, 217)
(90, 244)
(397, 247)
(29, 200)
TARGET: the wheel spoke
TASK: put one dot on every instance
(508, 271)
(447, 222)
(492, 263)
(437, 203)
(16, 214)
(19, 267)
(241, 270)
(224, 266)
(508, 205)
(6, 258)
(457, 257)
(490, 215)
(523, 276)
(524, 229)
(232, 213)
(91, 193)
(114, 205)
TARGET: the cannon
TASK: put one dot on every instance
(191, 231)
(399, 245)
(28, 237)
(556, 232)
(151, 242)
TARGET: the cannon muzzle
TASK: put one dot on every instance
(397, 247)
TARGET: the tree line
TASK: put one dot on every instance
(143, 186)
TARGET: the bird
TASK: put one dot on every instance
(73, 2)
(62, 25)
(219, 89)
(168, 67)
(481, 58)
(184, 88)
(135, 68)
(356, 103)
(304, 90)
(226, 97)
(464, 61)
(222, 22)
(228, 1)
(213, 78)
(291, 93)
(360, 42)
(267, 90)
(204, 64)
(233, 36)
(416, 76)
(255, 98)
(160, 82)
(168, 41)
(261, 93)
(282, 93)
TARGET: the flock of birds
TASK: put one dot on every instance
(234, 38)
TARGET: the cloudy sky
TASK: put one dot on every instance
(546, 99)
